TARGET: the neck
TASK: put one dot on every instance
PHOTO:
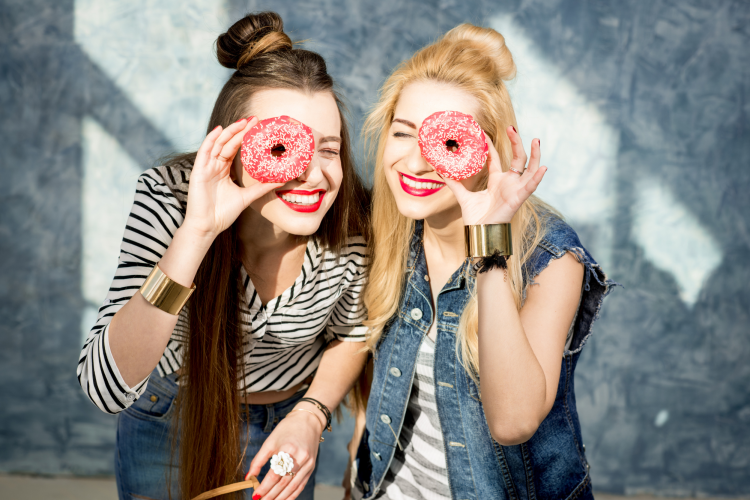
(444, 234)
(261, 238)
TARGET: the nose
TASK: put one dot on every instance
(313, 174)
(415, 163)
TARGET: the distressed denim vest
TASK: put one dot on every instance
(552, 464)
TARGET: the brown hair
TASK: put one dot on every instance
(209, 396)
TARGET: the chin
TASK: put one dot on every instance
(300, 226)
(414, 209)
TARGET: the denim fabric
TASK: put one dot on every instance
(144, 440)
(552, 464)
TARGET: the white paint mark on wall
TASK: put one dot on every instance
(161, 54)
(661, 418)
(109, 179)
(580, 148)
(673, 239)
(578, 144)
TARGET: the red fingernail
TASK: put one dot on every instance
(217, 126)
(250, 118)
(540, 143)
(514, 129)
(256, 497)
(238, 121)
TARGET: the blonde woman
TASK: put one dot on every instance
(472, 389)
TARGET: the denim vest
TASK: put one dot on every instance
(552, 464)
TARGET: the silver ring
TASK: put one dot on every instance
(516, 171)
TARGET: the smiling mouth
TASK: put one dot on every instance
(302, 201)
(419, 187)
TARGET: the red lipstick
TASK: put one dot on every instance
(417, 191)
(302, 208)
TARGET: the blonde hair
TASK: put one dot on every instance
(477, 61)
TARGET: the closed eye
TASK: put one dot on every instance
(329, 153)
(402, 135)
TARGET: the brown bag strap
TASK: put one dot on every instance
(230, 488)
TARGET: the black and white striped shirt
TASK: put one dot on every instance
(284, 339)
(419, 472)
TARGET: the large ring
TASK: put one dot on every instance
(282, 464)
(516, 171)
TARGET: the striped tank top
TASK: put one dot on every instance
(419, 471)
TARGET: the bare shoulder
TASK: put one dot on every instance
(562, 276)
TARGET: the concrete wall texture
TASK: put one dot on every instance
(643, 111)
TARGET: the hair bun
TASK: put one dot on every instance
(251, 36)
(489, 42)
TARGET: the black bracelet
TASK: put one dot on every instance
(323, 408)
(496, 260)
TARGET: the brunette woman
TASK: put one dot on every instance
(472, 391)
(277, 271)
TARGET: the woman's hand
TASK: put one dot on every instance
(299, 435)
(506, 191)
(214, 199)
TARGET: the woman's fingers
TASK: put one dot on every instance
(270, 482)
(536, 156)
(286, 490)
(533, 183)
(203, 155)
(233, 145)
(261, 458)
(459, 190)
(494, 158)
(227, 135)
(257, 191)
(519, 155)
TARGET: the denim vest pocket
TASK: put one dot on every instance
(157, 402)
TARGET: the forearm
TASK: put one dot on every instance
(139, 332)
(513, 383)
(339, 368)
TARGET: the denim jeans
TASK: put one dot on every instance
(144, 442)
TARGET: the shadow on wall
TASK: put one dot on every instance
(642, 111)
(49, 88)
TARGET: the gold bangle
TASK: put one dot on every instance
(160, 291)
(483, 240)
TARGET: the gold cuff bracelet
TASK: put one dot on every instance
(169, 296)
(483, 240)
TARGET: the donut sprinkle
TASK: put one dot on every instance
(453, 143)
(277, 149)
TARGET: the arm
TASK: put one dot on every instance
(299, 433)
(519, 363)
(131, 335)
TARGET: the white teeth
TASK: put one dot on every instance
(301, 199)
(420, 185)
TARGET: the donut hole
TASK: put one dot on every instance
(278, 150)
(451, 145)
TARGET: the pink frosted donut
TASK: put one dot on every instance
(453, 143)
(277, 149)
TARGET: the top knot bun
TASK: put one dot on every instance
(491, 43)
(251, 36)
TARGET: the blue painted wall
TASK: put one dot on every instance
(643, 111)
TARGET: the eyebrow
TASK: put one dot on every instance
(405, 122)
(330, 138)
